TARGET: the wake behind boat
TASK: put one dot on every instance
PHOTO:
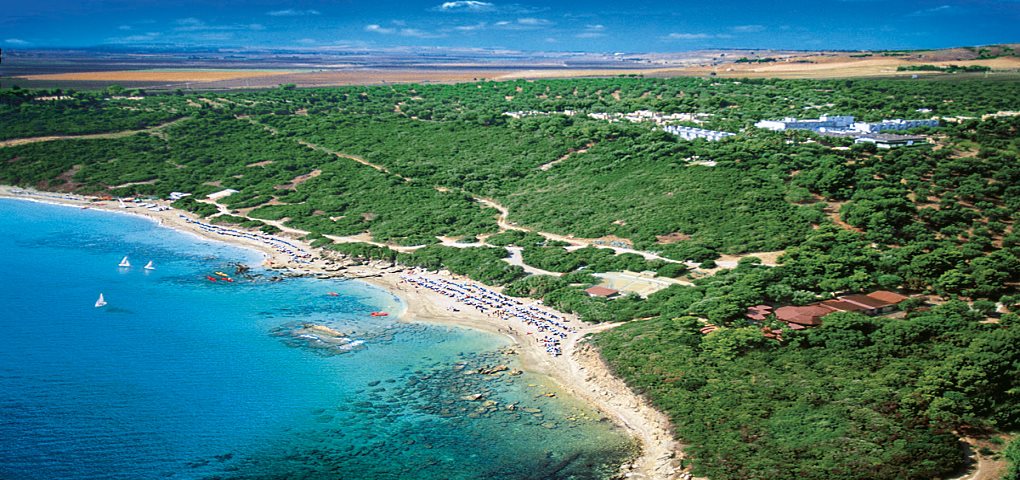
(124, 263)
(101, 302)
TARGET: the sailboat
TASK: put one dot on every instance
(101, 302)
(148, 266)
(124, 263)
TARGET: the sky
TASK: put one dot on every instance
(593, 25)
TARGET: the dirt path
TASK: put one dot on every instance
(982, 467)
(573, 241)
(319, 148)
(351, 157)
(90, 136)
(517, 258)
(569, 154)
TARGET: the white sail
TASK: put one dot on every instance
(124, 263)
(101, 302)
(149, 266)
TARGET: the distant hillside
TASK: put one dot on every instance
(827, 64)
(216, 70)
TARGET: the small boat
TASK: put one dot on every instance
(221, 274)
(101, 302)
(228, 279)
(148, 266)
(379, 314)
(211, 278)
(333, 294)
(124, 263)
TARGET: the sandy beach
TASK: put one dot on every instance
(579, 370)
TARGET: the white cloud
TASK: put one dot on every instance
(466, 6)
(695, 36)
(16, 41)
(141, 38)
(528, 23)
(403, 32)
(471, 28)
(192, 24)
(748, 28)
(290, 12)
(416, 33)
(592, 31)
(939, 10)
(379, 29)
(211, 37)
(533, 21)
(688, 36)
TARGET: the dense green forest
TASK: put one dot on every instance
(856, 398)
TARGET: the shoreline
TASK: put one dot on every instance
(580, 371)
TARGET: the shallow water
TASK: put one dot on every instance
(180, 377)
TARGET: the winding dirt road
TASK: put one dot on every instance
(89, 136)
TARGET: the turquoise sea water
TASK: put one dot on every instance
(179, 377)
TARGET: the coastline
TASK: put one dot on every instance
(579, 371)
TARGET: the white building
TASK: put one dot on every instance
(690, 133)
(885, 140)
(893, 124)
(178, 195)
(821, 124)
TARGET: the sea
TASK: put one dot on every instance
(182, 377)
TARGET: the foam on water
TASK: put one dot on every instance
(179, 377)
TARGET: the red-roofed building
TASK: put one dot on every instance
(604, 292)
(841, 306)
(887, 296)
(808, 315)
(870, 305)
(758, 312)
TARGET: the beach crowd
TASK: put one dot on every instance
(551, 329)
(296, 254)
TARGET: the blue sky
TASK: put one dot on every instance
(594, 25)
